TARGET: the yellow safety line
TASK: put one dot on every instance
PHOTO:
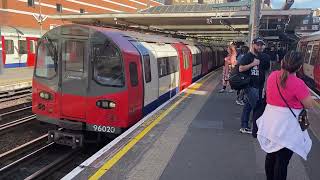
(136, 139)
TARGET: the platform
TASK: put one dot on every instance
(16, 78)
(195, 136)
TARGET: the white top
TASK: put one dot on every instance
(278, 128)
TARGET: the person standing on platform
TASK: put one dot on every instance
(274, 57)
(240, 93)
(279, 132)
(255, 64)
(229, 62)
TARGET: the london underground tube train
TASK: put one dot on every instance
(92, 79)
(309, 45)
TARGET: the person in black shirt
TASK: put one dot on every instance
(255, 63)
(274, 58)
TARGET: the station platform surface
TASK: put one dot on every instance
(195, 136)
(16, 78)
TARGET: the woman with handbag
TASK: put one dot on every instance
(282, 126)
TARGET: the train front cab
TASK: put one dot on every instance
(86, 80)
(311, 67)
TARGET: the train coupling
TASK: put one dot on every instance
(65, 138)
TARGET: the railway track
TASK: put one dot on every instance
(28, 156)
(15, 115)
(11, 157)
(15, 94)
(17, 122)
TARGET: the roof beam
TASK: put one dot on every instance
(200, 27)
(211, 32)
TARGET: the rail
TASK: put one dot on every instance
(17, 122)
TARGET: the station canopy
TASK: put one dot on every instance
(226, 21)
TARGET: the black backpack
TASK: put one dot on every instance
(238, 80)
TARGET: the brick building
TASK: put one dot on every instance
(25, 13)
(24, 21)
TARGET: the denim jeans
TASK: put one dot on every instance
(250, 101)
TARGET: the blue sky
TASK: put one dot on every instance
(297, 3)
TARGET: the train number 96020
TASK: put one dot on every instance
(106, 129)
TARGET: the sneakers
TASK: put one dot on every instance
(222, 90)
(231, 91)
(239, 102)
(246, 130)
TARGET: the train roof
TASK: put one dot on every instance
(138, 36)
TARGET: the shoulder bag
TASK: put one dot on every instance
(302, 118)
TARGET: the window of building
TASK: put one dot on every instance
(315, 27)
(59, 8)
(133, 74)
(9, 45)
(305, 21)
(82, 11)
(30, 3)
(147, 68)
(22, 47)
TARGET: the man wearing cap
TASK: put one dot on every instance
(255, 64)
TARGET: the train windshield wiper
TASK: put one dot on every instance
(52, 49)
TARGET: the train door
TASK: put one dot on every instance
(315, 62)
(74, 78)
(135, 88)
(2, 46)
(151, 84)
(187, 57)
(185, 66)
(31, 50)
(308, 68)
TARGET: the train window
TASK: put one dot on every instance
(172, 64)
(32, 46)
(147, 68)
(162, 67)
(133, 74)
(194, 59)
(314, 55)
(22, 46)
(198, 58)
(46, 65)
(167, 65)
(9, 46)
(308, 53)
(108, 68)
(185, 60)
(73, 55)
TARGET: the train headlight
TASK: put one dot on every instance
(45, 95)
(105, 104)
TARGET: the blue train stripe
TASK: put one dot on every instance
(162, 99)
(15, 65)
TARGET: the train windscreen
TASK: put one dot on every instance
(108, 69)
(47, 57)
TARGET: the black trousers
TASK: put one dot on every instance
(276, 164)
